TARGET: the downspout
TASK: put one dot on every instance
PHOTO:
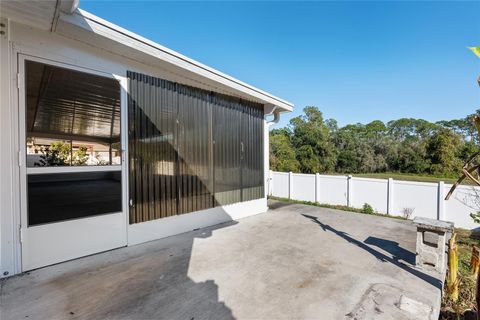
(276, 118)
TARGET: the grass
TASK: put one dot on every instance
(466, 297)
(409, 177)
(364, 210)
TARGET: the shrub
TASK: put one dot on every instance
(407, 212)
(368, 209)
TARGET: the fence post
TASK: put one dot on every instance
(390, 196)
(317, 187)
(441, 201)
(290, 185)
(270, 182)
(349, 191)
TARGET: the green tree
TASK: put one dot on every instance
(312, 141)
(376, 128)
(282, 153)
(311, 144)
(361, 148)
(409, 157)
(409, 128)
(443, 151)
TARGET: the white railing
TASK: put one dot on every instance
(389, 196)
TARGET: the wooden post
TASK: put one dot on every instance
(452, 279)
(477, 297)
(474, 262)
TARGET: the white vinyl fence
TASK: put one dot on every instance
(390, 196)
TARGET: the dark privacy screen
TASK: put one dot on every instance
(190, 149)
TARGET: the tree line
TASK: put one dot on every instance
(312, 144)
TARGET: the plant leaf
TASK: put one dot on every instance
(475, 50)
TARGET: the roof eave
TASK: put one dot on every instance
(101, 27)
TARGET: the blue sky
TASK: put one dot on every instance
(356, 61)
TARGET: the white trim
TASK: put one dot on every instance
(165, 227)
(65, 65)
(73, 169)
(124, 151)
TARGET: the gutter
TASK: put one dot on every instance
(63, 6)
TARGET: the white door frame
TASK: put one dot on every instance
(105, 231)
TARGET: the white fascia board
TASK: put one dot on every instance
(103, 28)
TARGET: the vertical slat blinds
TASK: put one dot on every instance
(190, 149)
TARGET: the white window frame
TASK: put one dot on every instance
(20, 97)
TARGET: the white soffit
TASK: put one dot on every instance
(40, 14)
(35, 13)
(88, 28)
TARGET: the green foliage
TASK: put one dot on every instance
(442, 152)
(475, 50)
(311, 144)
(368, 209)
(310, 137)
(282, 153)
(59, 154)
(475, 216)
(80, 156)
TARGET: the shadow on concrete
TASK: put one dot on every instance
(152, 284)
(274, 204)
(380, 256)
(398, 253)
(147, 281)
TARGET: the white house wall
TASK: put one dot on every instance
(165, 227)
(34, 42)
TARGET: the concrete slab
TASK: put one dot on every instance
(294, 261)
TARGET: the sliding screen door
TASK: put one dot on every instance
(72, 184)
(190, 149)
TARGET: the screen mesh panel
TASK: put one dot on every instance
(190, 149)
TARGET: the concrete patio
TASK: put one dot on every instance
(294, 261)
